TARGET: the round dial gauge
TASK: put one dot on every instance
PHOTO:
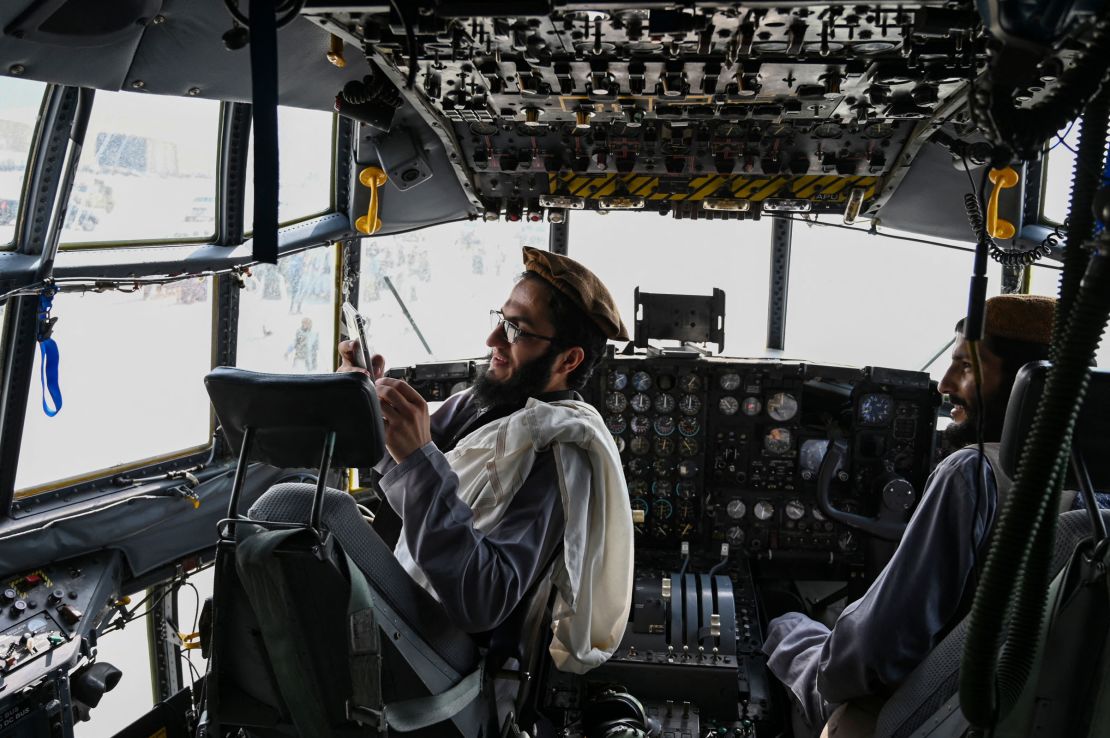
(661, 488)
(735, 536)
(665, 446)
(664, 381)
(689, 404)
(640, 424)
(662, 467)
(618, 380)
(638, 467)
(764, 510)
(640, 445)
(662, 509)
(689, 426)
(685, 490)
(641, 381)
(664, 425)
(782, 406)
(685, 511)
(637, 488)
(728, 405)
(616, 402)
(778, 441)
(876, 409)
(689, 383)
(688, 447)
(660, 529)
(620, 444)
(639, 504)
(664, 403)
(795, 510)
(736, 509)
(752, 406)
(616, 424)
(729, 382)
(641, 403)
(688, 468)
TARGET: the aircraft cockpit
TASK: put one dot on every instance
(802, 213)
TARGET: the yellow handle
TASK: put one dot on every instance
(373, 178)
(1002, 179)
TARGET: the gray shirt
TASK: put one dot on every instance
(909, 608)
(479, 577)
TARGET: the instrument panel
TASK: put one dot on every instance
(730, 451)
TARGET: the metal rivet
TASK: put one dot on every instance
(16, 70)
(159, 20)
(138, 84)
(194, 91)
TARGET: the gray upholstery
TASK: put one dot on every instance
(936, 679)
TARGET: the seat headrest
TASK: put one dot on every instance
(291, 413)
(1092, 431)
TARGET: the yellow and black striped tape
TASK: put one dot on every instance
(831, 188)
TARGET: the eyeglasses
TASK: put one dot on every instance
(513, 332)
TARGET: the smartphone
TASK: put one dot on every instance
(355, 326)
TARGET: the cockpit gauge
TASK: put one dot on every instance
(637, 488)
(640, 424)
(665, 446)
(641, 403)
(660, 530)
(795, 510)
(729, 382)
(616, 402)
(689, 383)
(736, 509)
(618, 380)
(688, 468)
(686, 490)
(661, 488)
(639, 445)
(685, 511)
(817, 514)
(664, 382)
(689, 404)
(778, 441)
(663, 467)
(751, 406)
(728, 405)
(735, 536)
(639, 504)
(782, 406)
(641, 381)
(662, 509)
(638, 467)
(764, 510)
(876, 409)
(664, 403)
(688, 447)
(664, 425)
(619, 443)
(689, 426)
(616, 424)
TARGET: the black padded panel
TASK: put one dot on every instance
(937, 678)
(1092, 433)
(291, 414)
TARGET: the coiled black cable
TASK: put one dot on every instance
(1003, 256)
(372, 88)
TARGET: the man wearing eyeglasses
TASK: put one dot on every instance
(517, 475)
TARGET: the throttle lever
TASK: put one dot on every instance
(835, 456)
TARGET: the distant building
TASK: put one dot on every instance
(137, 154)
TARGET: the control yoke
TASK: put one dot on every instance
(897, 499)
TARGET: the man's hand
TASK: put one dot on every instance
(407, 427)
(348, 350)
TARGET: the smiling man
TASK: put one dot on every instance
(927, 586)
(491, 487)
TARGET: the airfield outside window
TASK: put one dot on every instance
(287, 315)
(447, 278)
(19, 107)
(660, 254)
(862, 299)
(131, 381)
(1059, 163)
(305, 161)
(147, 171)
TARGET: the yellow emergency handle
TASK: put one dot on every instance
(1002, 179)
(373, 178)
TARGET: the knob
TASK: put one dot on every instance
(18, 608)
(55, 597)
(8, 595)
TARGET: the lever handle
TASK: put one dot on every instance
(1003, 179)
(372, 178)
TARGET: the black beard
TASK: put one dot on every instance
(958, 435)
(527, 381)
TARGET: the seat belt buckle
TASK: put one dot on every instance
(367, 717)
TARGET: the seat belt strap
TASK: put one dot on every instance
(275, 608)
(414, 714)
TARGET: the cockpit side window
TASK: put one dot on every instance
(147, 171)
(305, 175)
(19, 107)
(1046, 281)
(1059, 162)
(447, 278)
(131, 374)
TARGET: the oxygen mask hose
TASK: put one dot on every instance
(1009, 607)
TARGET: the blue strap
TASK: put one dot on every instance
(48, 355)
